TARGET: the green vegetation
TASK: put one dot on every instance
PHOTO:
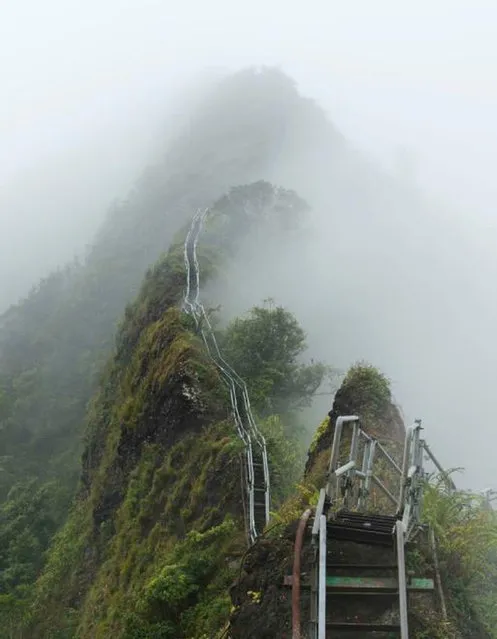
(157, 455)
(365, 391)
(159, 463)
(146, 548)
(121, 513)
(54, 344)
(466, 533)
(264, 348)
(189, 596)
(370, 389)
(53, 348)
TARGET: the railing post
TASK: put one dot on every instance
(450, 484)
(408, 456)
(331, 485)
(364, 481)
(319, 512)
(322, 579)
(401, 567)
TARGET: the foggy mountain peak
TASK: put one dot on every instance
(383, 272)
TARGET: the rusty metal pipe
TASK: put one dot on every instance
(299, 539)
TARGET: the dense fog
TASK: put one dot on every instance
(396, 263)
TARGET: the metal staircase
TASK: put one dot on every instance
(358, 582)
(351, 599)
(363, 528)
(256, 467)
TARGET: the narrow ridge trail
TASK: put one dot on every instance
(358, 583)
(256, 472)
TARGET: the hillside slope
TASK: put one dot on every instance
(121, 509)
(262, 598)
(54, 344)
(161, 504)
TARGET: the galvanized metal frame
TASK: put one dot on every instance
(322, 579)
(348, 474)
(248, 433)
(401, 568)
(332, 483)
(445, 476)
(319, 511)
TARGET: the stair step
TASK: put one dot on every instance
(376, 584)
(360, 535)
(364, 585)
(371, 627)
(360, 584)
(360, 515)
(334, 566)
(368, 522)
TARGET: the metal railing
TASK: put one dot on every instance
(351, 481)
(402, 585)
(246, 425)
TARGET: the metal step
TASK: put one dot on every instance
(361, 584)
(375, 584)
(334, 566)
(362, 528)
(364, 585)
(380, 521)
(360, 535)
(365, 627)
(353, 514)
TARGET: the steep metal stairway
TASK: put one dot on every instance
(358, 582)
(256, 467)
(359, 587)
(261, 516)
(367, 598)
(366, 528)
(351, 586)
(259, 488)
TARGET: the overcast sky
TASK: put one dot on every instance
(84, 83)
(86, 87)
(421, 75)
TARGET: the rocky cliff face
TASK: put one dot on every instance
(154, 543)
(151, 545)
(261, 593)
(159, 512)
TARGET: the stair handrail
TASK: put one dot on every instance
(195, 308)
(444, 474)
(407, 462)
(322, 578)
(334, 471)
(401, 568)
(411, 489)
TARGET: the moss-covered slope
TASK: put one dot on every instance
(161, 459)
(467, 540)
(364, 392)
(54, 343)
(148, 547)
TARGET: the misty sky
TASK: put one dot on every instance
(84, 84)
(86, 89)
